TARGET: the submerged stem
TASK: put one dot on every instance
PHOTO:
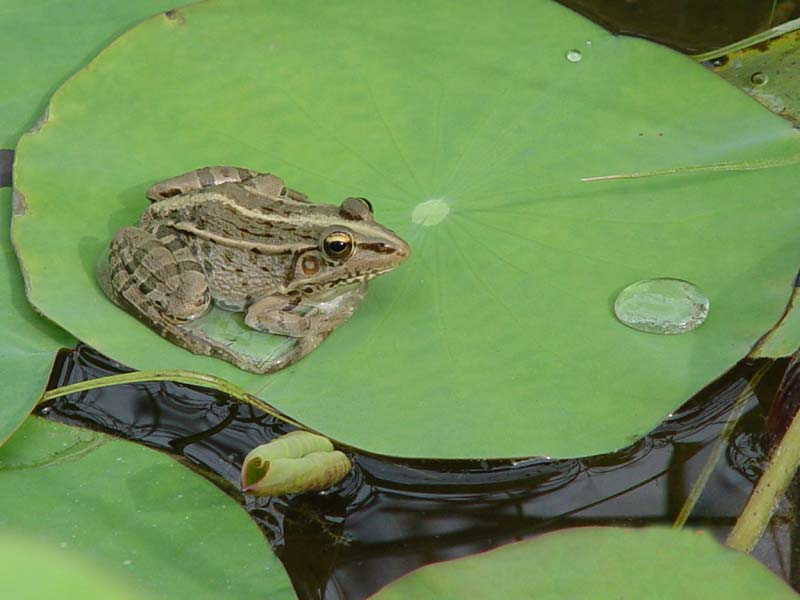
(700, 483)
(175, 375)
(771, 487)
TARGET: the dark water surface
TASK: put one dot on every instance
(691, 26)
(389, 516)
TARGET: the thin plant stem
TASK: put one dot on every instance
(733, 417)
(763, 36)
(769, 490)
(175, 375)
(772, 13)
(754, 165)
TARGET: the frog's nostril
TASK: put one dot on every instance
(403, 249)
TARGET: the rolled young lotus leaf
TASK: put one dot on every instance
(293, 463)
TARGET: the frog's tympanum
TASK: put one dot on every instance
(244, 242)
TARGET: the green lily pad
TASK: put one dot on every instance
(21, 560)
(43, 42)
(37, 57)
(27, 341)
(602, 563)
(470, 131)
(135, 514)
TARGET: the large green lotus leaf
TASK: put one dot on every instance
(21, 561)
(469, 130)
(134, 513)
(43, 42)
(598, 562)
(27, 341)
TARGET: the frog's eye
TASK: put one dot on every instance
(338, 245)
(368, 204)
(356, 209)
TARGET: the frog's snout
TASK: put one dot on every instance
(398, 249)
(402, 250)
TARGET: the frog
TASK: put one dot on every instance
(240, 240)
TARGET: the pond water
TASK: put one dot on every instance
(691, 27)
(390, 516)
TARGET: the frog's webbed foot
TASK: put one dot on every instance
(199, 343)
(300, 348)
(259, 183)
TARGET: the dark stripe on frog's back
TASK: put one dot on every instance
(216, 215)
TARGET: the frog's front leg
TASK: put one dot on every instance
(286, 315)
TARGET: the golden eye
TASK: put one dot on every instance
(338, 245)
(367, 203)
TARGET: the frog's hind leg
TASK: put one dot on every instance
(259, 183)
(156, 278)
(197, 180)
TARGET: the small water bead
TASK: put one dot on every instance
(664, 305)
(759, 78)
(574, 55)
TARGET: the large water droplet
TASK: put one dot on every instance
(663, 305)
(574, 55)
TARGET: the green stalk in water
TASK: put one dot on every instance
(176, 375)
(771, 487)
(733, 417)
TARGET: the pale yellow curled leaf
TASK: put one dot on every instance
(292, 445)
(294, 463)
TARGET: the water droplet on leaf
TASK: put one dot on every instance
(759, 78)
(664, 305)
(574, 55)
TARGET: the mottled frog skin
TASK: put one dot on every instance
(241, 240)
